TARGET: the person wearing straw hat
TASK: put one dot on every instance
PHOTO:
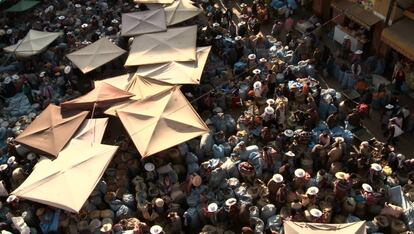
(342, 185)
(375, 173)
(175, 222)
(368, 195)
(316, 215)
(300, 180)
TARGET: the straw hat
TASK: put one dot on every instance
(7, 80)
(159, 202)
(156, 229)
(400, 157)
(359, 52)
(257, 85)
(278, 178)
(315, 213)
(312, 190)
(300, 173)
(346, 37)
(269, 110)
(238, 38)
(61, 17)
(290, 154)
(262, 60)
(341, 175)
(11, 198)
(84, 25)
(196, 180)
(212, 207)
(149, 167)
(256, 71)
(365, 143)
(11, 160)
(251, 56)
(389, 106)
(296, 205)
(218, 37)
(339, 139)
(367, 188)
(376, 167)
(243, 5)
(216, 24)
(67, 69)
(107, 227)
(270, 101)
(288, 133)
(231, 201)
(9, 31)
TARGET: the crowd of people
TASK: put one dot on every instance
(280, 146)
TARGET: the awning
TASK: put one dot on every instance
(68, 181)
(143, 22)
(396, 37)
(33, 43)
(120, 82)
(320, 228)
(154, 1)
(181, 10)
(92, 130)
(356, 13)
(23, 5)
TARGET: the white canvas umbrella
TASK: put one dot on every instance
(177, 72)
(176, 44)
(143, 22)
(181, 10)
(33, 43)
(95, 55)
(154, 1)
(67, 181)
(92, 130)
(120, 82)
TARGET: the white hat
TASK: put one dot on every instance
(88, 8)
(288, 133)
(11, 198)
(339, 139)
(7, 80)
(11, 160)
(340, 175)
(156, 229)
(251, 56)
(216, 24)
(3, 167)
(364, 143)
(110, 28)
(400, 157)
(78, 5)
(30, 156)
(149, 167)
(358, 52)
(218, 37)
(262, 60)
(67, 69)
(290, 154)
(269, 110)
(278, 178)
(231, 201)
(312, 190)
(114, 21)
(367, 187)
(107, 227)
(217, 110)
(300, 173)
(347, 37)
(256, 71)
(270, 101)
(9, 31)
(243, 5)
(238, 38)
(389, 106)
(376, 167)
(257, 85)
(212, 207)
(315, 213)
(159, 202)
(61, 17)
(84, 25)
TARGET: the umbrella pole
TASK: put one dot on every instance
(94, 124)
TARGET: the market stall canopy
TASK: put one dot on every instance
(95, 55)
(154, 1)
(396, 37)
(22, 5)
(101, 96)
(143, 22)
(176, 44)
(142, 87)
(356, 13)
(178, 72)
(120, 82)
(161, 121)
(181, 10)
(33, 43)
(92, 130)
(320, 228)
(51, 130)
(67, 181)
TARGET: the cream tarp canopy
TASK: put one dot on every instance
(141, 87)
(68, 181)
(143, 22)
(319, 228)
(176, 44)
(33, 43)
(161, 121)
(177, 72)
(120, 82)
(180, 10)
(95, 55)
(51, 130)
(154, 1)
(102, 96)
(92, 130)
